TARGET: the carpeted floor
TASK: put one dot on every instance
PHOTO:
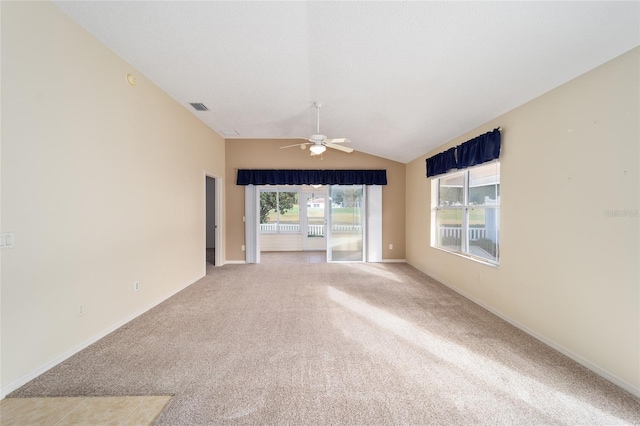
(318, 343)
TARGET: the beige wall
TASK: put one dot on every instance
(102, 184)
(265, 154)
(568, 272)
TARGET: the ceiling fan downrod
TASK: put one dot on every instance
(318, 105)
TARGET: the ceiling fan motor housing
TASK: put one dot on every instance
(318, 138)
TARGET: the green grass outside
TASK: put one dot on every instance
(341, 215)
(454, 217)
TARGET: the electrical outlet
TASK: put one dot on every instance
(242, 247)
(80, 311)
(390, 246)
(136, 286)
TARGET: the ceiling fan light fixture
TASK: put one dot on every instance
(317, 149)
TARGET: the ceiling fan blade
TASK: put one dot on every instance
(297, 144)
(338, 140)
(339, 147)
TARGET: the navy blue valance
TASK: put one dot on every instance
(478, 150)
(442, 163)
(311, 177)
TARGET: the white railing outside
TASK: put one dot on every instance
(312, 229)
(456, 232)
(269, 227)
(273, 227)
(315, 229)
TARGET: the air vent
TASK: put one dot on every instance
(199, 107)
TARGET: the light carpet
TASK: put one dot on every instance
(317, 343)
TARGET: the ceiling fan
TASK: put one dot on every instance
(319, 143)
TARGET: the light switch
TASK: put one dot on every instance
(7, 240)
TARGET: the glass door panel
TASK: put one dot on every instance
(315, 207)
(346, 219)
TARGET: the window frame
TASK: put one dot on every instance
(465, 208)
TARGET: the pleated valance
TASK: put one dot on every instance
(478, 150)
(311, 177)
(442, 163)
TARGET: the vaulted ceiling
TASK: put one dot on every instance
(396, 78)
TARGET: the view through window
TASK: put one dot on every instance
(467, 212)
(279, 211)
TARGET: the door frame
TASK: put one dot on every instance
(217, 219)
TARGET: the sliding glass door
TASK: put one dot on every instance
(347, 222)
(313, 211)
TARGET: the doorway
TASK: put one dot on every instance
(313, 206)
(212, 214)
(346, 234)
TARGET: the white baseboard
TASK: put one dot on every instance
(394, 260)
(10, 387)
(634, 390)
(235, 262)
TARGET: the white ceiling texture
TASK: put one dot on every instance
(397, 78)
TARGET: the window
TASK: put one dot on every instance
(279, 211)
(466, 216)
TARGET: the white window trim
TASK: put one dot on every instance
(464, 252)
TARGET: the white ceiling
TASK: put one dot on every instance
(397, 78)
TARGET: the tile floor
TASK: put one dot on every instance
(112, 410)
